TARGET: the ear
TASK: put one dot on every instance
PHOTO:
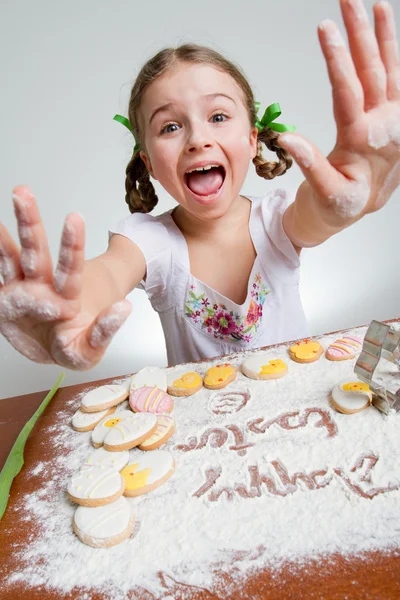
(253, 142)
(147, 163)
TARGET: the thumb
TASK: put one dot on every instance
(106, 325)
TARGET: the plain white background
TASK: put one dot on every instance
(68, 67)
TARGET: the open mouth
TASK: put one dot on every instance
(205, 181)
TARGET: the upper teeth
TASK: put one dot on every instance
(206, 168)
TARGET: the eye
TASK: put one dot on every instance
(219, 118)
(166, 128)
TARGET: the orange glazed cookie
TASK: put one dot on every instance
(185, 385)
(163, 432)
(261, 367)
(306, 352)
(219, 376)
(147, 472)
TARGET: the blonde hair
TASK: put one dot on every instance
(140, 193)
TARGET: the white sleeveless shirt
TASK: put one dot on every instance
(199, 322)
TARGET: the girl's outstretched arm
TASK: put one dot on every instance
(362, 171)
(70, 316)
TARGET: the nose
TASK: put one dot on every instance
(198, 138)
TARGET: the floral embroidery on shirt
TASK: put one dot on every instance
(216, 319)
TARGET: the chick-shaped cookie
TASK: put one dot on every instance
(219, 376)
(306, 351)
(261, 366)
(184, 384)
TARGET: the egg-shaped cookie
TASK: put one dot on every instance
(102, 428)
(149, 377)
(343, 348)
(105, 458)
(84, 421)
(150, 399)
(130, 432)
(147, 471)
(351, 397)
(104, 526)
(95, 486)
(104, 397)
(163, 432)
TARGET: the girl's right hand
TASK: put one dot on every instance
(41, 313)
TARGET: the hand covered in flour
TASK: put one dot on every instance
(41, 313)
(363, 170)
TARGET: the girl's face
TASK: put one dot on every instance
(192, 117)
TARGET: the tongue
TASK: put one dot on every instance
(206, 183)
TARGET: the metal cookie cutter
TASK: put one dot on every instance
(381, 343)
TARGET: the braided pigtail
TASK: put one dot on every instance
(143, 198)
(270, 169)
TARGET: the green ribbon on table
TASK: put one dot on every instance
(127, 124)
(272, 112)
(15, 459)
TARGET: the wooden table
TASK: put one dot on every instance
(376, 576)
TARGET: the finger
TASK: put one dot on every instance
(365, 52)
(35, 256)
(385, 29)
(335, 190)
(108, 323)
(10, 268)
(68, 276)
(347, 92)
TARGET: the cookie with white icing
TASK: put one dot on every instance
(106, 459)
(102, 428)
(94, 486)
(149, 377)
(306, 351)
(130, 432)
(104, 526)
(147, 471)
(350, 397)
(219, 376)
(83, 421)
(163, 432)
(261, 366)
(184, 384)
(105, 396)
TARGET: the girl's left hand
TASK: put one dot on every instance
(363, 170)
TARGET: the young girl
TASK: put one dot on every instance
(222, 270)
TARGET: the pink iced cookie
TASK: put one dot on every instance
(150, 399)
(344, 348)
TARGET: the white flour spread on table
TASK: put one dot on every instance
(266, 472)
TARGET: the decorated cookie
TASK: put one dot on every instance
(104, 526)
(147, 472)
(219, 376)
(94, 486)
(130, 432)
(103, 397)
(261, 367)
(83, 421)
(163, 432)
(306, 352)
(150, 399)
(351, 397)
(101, 430)
(186, 385)
(149, 377)
(343, 348)
(104, 458)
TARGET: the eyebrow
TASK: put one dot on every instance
(213, 96)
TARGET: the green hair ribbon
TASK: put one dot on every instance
(272, 112)
(127, 124)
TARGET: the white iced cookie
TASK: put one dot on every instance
(350, 397)
(149, 377)
(106, 459)
(147, 471)
(104, 526)
(261, 366)
(83, 421)
(104, 397)
(94, 486)
(101, 430)
(130, 432)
